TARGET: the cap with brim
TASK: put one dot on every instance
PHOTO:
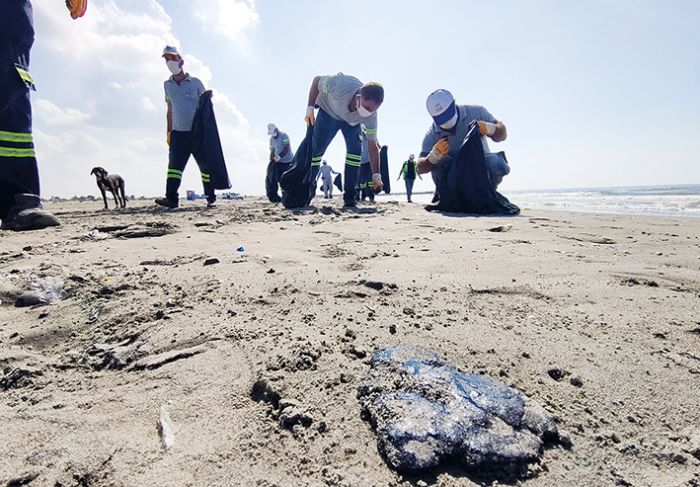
(271, 127)
(441, 106)
(171, 51)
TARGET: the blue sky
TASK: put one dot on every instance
(597, 93)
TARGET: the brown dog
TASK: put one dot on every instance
(112, 183)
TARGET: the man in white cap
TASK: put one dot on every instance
(450, 127)
(280, 148)
(327, 172)
(343, 103)
(281, 155)
(182, 93)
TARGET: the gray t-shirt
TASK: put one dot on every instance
(184, 99)
(278, 144)
(334, 96)
(466, 113)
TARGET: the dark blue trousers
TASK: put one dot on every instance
(325, 129)
(18, 167)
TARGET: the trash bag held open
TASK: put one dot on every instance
(464, 183)
(298, 188)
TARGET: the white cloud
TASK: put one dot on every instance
(102, 103)
(48, 113)
(229, 18)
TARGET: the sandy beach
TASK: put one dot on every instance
(593, 316)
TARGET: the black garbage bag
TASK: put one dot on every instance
(384, 168)
(464, 183)
(207, 144)
(338, 182)
(298, 187)
(274, 171)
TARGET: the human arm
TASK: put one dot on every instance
(496, 131)
(313, 94)
(403, 171)
(169, 120)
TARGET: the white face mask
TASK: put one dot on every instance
(174, 66)
(362, 111)
(450, 123)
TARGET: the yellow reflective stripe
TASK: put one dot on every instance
(24, 74)
(353, 157)
(11, 152)
(15, 137)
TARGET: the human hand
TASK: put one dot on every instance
(440, 150)
(377, 184)
(310, 119)
(486, 128)
(76, 8)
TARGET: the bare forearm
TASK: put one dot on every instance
(374, 157)
(313, 91)
(501, 133)
(424, 166)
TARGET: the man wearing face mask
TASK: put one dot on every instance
(182, 93)
(344, 103)
(20, 204)
(450, 127)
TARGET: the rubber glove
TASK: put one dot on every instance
(167, 138)
(277, 158)
(486, 128)
(440, 150)
(76, 8)
(377, 184)
(310, 118)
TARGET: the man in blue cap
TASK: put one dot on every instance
(20, 204)
(450, 126)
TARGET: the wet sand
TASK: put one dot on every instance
(593, 316)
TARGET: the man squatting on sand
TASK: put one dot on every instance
(182, 93)
(449, 129)
(343, 103)
(20, 205)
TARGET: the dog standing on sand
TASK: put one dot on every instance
(112, 182)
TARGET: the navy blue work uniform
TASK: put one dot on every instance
(18, 167)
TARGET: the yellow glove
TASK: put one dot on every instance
(377, 184)
(310, 119)
(167, 138)
(76, 8)
(440, 150)
(486, 128)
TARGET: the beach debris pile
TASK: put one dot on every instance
(425, 411)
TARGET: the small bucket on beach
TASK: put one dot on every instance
(190, 195)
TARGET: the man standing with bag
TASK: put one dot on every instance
(182, 93)
(20, 204)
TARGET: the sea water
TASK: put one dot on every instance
(668, 200)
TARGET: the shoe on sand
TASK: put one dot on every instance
(211, 204)
(167, 202)
(26, 214)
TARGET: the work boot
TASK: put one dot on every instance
(26, 214)
(167, 202)
(211, 204)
